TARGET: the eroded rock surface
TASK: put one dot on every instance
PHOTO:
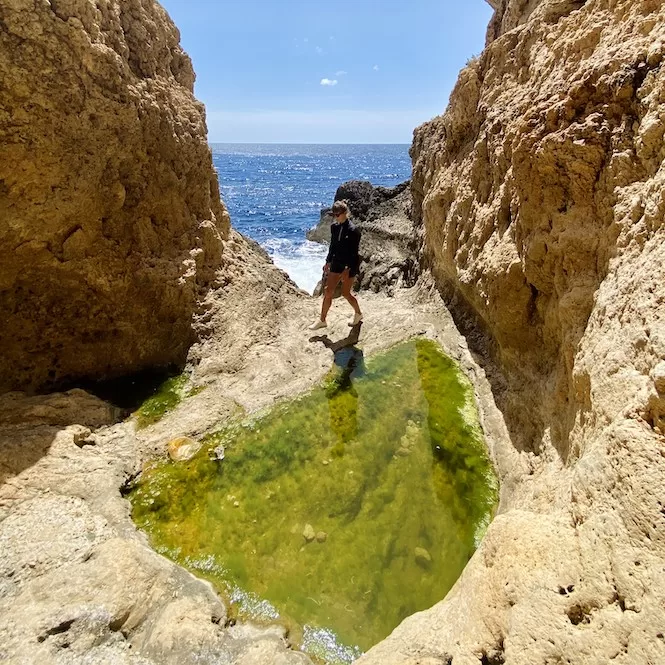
(78, 584)
(540, 192)
(110, 217)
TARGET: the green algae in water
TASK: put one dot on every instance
(389, 470)
(167, 397)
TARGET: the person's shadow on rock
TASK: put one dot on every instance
(348, 357)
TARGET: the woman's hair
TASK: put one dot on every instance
(340, 206)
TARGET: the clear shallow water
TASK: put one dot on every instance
(341, 512)
(275, 192)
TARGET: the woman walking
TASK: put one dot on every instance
(342, 264)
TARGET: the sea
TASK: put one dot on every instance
(275, 192)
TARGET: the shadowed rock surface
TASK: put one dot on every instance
(111, 219)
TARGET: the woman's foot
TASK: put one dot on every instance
(318, 324)
(356, 319)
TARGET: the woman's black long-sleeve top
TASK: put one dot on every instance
(344, 246)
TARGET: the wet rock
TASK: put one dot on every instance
(183, 448)
(422, 556)
(308, 533)
(218, 453)
(411, 436)
(321, 232)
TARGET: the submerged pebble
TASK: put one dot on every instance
(183, 448)
(308, 533)
(218, 453)
(423, 557)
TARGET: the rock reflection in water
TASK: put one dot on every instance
(346, 509)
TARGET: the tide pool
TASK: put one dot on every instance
(341, 512)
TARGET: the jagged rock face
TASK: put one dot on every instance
(538, 184)
(110, 218)
(541, 196)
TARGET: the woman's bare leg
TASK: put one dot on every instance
(331, 284)
(347, 283)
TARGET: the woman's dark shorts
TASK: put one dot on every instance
(340, 268)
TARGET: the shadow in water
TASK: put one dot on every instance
(348, 364)
(346, 355)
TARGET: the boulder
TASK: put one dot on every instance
(112, 225)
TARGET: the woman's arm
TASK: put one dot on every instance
(355, 248)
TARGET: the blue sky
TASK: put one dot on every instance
(322, 71)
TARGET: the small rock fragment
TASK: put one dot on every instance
(658, 377)
(321, 536)
(308, 533)
(423, 557)
(183, 448)
(81, 436)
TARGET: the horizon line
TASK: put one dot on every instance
(297, 143)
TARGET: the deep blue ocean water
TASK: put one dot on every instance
(274, 192)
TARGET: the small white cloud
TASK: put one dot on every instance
(332, 39)
(306, 39)
(328, 81)
(319, 50)
(341, 72)
(376, 68)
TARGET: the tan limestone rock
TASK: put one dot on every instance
(540, 194)
(110, 218)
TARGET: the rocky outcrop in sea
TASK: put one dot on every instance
(389, 241)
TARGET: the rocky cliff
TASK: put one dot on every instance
(540, 194)
(110, 218)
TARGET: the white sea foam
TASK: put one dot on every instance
(302, 260)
